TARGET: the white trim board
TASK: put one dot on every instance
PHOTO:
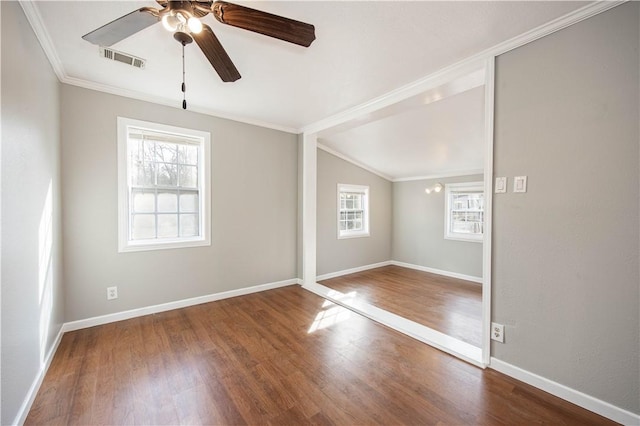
(489, 110)
(353, 270)
(438, 340)
(581, 399)
(24, 409)
(154, 309)
(471, 278)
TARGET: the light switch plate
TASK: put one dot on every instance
(520, 184)
(501, 185)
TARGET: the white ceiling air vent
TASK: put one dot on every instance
(125, 58)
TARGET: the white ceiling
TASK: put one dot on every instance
(442, 138)
(363, 50)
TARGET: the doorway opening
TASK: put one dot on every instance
(436, 168)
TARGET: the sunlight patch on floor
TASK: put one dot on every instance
(331, 313)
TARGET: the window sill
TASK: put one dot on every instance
(466, 238)
(172, 244)
(353, 235)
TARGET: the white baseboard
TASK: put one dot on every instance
(37, 382)
(437, 271)
(133, 313)
(583, 400)
(352, 270)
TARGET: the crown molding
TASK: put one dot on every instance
(432, 80)
(441, 175)
(460, 68)
(354, 162)
(172, 103)
(35, 20)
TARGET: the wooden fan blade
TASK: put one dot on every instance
(123, 27)
(215, 53)
(264, 23)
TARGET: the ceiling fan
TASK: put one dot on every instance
(183, 19)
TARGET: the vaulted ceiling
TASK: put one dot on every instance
(363, 50)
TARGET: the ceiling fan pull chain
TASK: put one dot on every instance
(184, 91)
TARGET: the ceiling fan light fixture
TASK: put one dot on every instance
(170, 22)
(435, 188)
(182, 18)
(195, 26)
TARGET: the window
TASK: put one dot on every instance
(353, 211)
(164, 193)
(464, 211)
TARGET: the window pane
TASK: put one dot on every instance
(462, 227)
(166, 152)
(149, 149)
(188, 225)
(188, 176)
(189, 202)
(167, 225)
(143, 201)
(343, 225)
(188, 154)
(167, 174)
(474, 216)
(458, 216)
(167, 202)
(136, 157)
(357, 202)
(349, 202)
(142, 174)
(143, 226)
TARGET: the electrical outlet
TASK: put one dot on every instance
(112, 293)
(497, 332)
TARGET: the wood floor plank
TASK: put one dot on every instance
(449, 305)
(284, 356)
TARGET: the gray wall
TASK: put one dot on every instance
(254, 210)
(565, 254)
(32, 301)
(336, 255)
(418, 229)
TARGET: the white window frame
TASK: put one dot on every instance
(125, 244)
(449, 190)
(364, 232)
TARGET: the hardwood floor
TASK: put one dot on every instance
(449, 305)
(283, 356)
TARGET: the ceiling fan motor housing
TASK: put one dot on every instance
(197, 9)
